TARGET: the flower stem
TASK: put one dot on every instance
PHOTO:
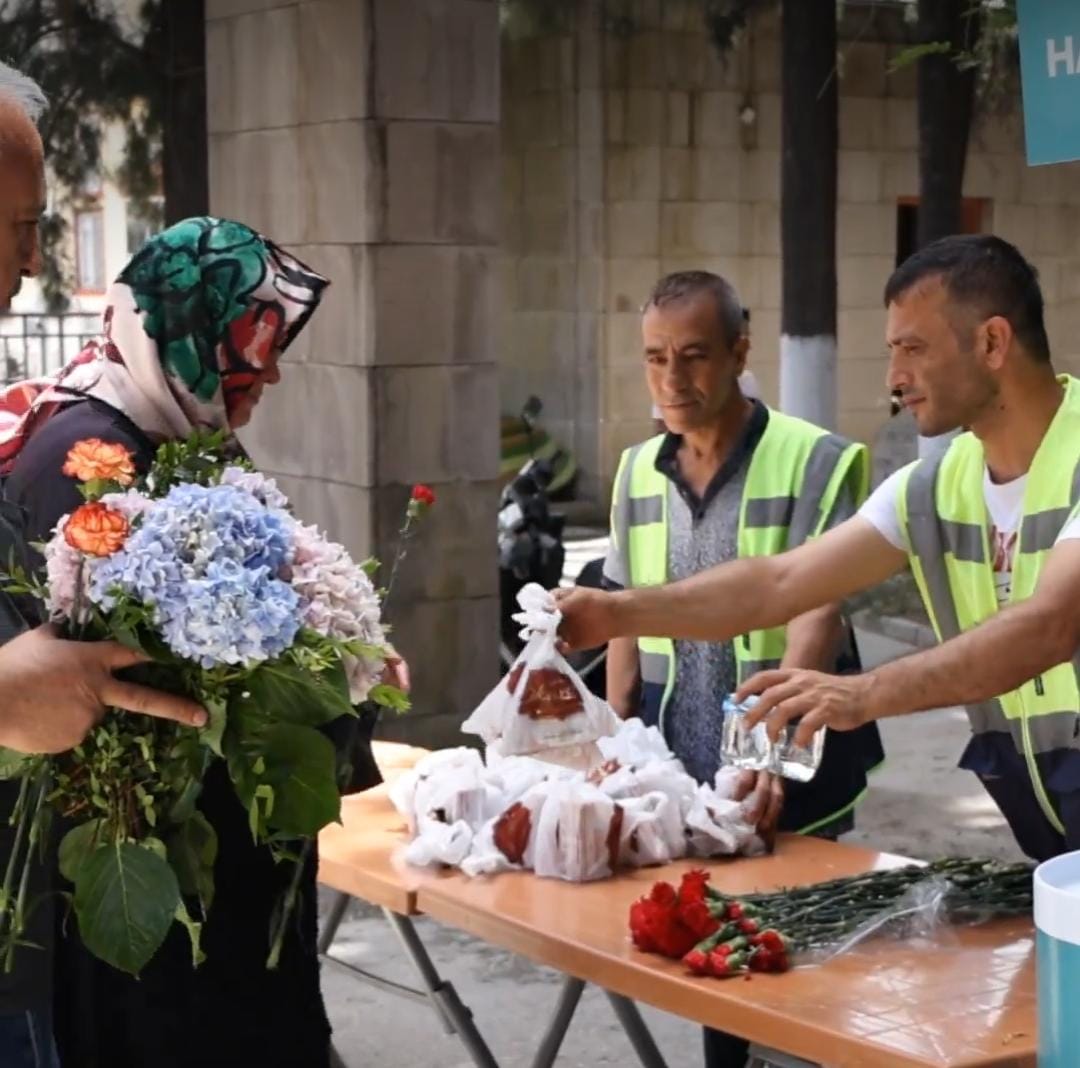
(287, 907)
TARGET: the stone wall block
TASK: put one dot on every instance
(337, 444)
(633, 228)
(645, 117)
(437, 59)
(238, 51)
(630, 281)
(705, 229)
(255, 177)
(342, 167)
(633, 173)
(332, 80)
(442, 183)
(716, 119)
(434, 305)
(226, 9)
(860, 177)
(863, 122)
(437, 423)
(865, 229)
(465, 637)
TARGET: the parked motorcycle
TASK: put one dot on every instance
(531, 549)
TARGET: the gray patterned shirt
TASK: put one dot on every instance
(703, 532)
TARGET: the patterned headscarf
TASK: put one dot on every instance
(188, 325)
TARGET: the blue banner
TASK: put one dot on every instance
(1050, 73)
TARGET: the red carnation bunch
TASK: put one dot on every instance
(712, 935)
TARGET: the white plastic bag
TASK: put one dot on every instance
(634, 743)
(716, 827)
(541, 704)
(578, 833)
(652, 831)
(440, 843)
(514, 776)
(485, 857)
(446, 787)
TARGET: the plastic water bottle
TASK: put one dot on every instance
(752, 749)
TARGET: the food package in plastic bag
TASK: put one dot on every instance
(652, 831)
(485, 857)
(514, 776)
(578, 833)
(440, 843)
(716, 826)
(635, 744)
(446, 787)
(541, 704)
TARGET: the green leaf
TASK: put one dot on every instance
(194, 930)
(76, 846)
(281, 693)
(916, 52)
(156, 846)
(184, 805)
(288, 781)
(125, 901)
(217, 711)
(14, 764)
(390, 697)
(193, 848)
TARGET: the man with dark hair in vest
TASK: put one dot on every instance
(730, 479)
(990, 529)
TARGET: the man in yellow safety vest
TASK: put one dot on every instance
(984, 527)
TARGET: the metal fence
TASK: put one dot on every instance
(33, 345)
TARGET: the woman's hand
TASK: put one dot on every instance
(396, 672)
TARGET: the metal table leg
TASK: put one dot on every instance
(442, 993)
(333, 920)
(634, 1026)
(550, 1044)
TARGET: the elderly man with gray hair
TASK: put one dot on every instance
(52, 691)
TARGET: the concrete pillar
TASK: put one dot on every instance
(363, 134)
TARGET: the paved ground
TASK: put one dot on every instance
(919, 804)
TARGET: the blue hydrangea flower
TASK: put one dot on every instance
(208, 560)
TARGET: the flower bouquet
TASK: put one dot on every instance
(721, 935)
(274, 629)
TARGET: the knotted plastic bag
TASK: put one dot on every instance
(541, 705)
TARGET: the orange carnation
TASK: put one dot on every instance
(96, 530)
(94, 458)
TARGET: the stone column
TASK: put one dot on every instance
(363, 134)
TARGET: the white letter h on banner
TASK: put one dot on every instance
(1054, 57)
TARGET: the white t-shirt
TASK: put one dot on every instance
(1004, 502)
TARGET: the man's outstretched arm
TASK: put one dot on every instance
(737, 597)
(1007, 650)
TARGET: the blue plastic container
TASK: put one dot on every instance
(1057, 921)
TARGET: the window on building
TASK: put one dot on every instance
(974, 217)
(90, 250)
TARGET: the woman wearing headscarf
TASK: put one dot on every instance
(193, 331)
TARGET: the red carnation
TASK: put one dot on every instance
(424, 495)
(697, 962)
(696, 916)
(692, 887)
(663, 894)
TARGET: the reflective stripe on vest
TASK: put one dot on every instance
(796, 472)
(941, 506)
